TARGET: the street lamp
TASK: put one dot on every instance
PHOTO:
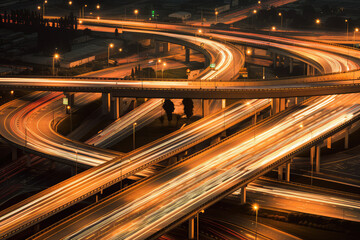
(98, 6)
(162, 70)
(198, 224)
(216, 16)
(355, 31)
(69, 109)
(347, 29)
(70, 3)
(317, 21)
(134, 125)
(111, 45)
(256, 208)
(156, 69)
(281, 19)
(55, 57)
(136, 13)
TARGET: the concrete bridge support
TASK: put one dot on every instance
(280, 172)
(187, 55)
(278, 105)
(14, 154)
(274, 56)
(287, 173)
(191, 228)
(318, 158)
(291, 65)
(157, 47)
(312, 155)
(166, 47)
(328, 142)
(243, 195)
(105, 98)
(346, 138)
(115, 107)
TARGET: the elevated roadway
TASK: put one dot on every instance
(151, 206)
(199, 176)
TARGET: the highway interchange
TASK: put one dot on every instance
(246, 153)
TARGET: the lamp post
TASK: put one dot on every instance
(156, 69)
(347, 29)
(55, 57)
(254, 12)
(70, 112)
(355, 31)
(134, 125)
(162, 70)
(111, 45)
(197, 224)
(281, 20)
(216, 16)
(98, 6)
(317, 21)
(136, 13)
(256, 208)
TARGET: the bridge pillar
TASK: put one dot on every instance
(191, 228)
(282, 104)
(166, 47)
(274, 60)
(115, 107)
(308, 70)
(291, 65)
(157, 47)
(105, 98)
(243, 195)
(312, 155)
(187, 55)
(318, 158)
(287, 175)
(215, 140)
(328, 142)
(14, 154)
(280, 172)
(275, 105)
(346, 144)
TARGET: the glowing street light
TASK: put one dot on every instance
(259, 2)
(254, 11)
(98, 6)
(98, 18)
(281, 18)
(136, 13)
(157, 61)
(256, 208)
(70, 3)
(355, 31)
(273, 28)
(317, 21)
(216, 16)
(164, 65)
(111, 45)
(55, 57)
(347, 29)
(38, 7)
